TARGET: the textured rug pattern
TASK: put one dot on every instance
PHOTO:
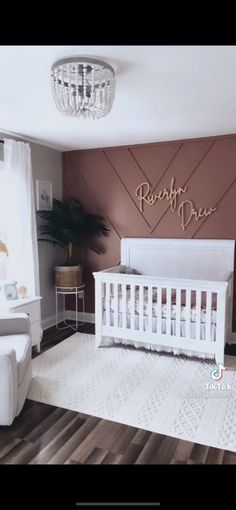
(157, 392)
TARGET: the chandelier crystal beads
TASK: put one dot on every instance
(83, 87)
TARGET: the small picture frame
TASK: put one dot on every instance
(44, 195)
(10, 291)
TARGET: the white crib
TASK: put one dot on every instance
(181, 302)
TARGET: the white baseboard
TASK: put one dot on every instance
(51, 321)
(70, 315)
(233, 338)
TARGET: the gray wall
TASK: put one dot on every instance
(46, 165)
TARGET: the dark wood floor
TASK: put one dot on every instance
(45, 434)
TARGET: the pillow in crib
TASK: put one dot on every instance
(127, 270)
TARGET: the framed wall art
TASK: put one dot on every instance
(44, 195)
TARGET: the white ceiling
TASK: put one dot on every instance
(162, 93)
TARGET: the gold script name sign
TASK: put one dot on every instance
(186, 209)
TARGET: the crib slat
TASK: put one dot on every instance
(123, 305)
(168, 311)
(99, 309)
(103, 289)
(220, 325)
(132, 305)
(208, 317)
(198, 314)
(149, 308)
(115, 287)
(188, 313)
(141, 307)
(108, 311)
(159, 310)
(178, 311)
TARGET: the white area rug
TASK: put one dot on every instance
(157, 392)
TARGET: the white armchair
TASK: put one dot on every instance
(15, 365)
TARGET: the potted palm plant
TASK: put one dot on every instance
(68, 224)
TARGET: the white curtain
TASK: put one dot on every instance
(18, 219)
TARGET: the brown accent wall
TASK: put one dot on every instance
(105, 181)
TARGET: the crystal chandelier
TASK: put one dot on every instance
(83, 87)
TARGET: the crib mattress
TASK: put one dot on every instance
(163, 309)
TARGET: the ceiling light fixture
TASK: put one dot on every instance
(83, 87)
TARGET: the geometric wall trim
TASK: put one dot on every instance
(105, 181)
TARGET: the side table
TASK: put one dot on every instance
(78, 292)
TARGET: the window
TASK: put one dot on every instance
(4, 220)
(17, 217)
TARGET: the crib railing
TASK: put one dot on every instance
(131, 307)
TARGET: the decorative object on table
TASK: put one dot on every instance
(3, 248)
(10, 291)
(69, 225)
(3, 259)
(22, 291)
(44, 195)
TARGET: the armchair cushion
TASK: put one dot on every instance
(15, 365)
(14, 323)
(22, 347)
(8, 386)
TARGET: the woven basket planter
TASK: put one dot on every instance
(68, 276)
